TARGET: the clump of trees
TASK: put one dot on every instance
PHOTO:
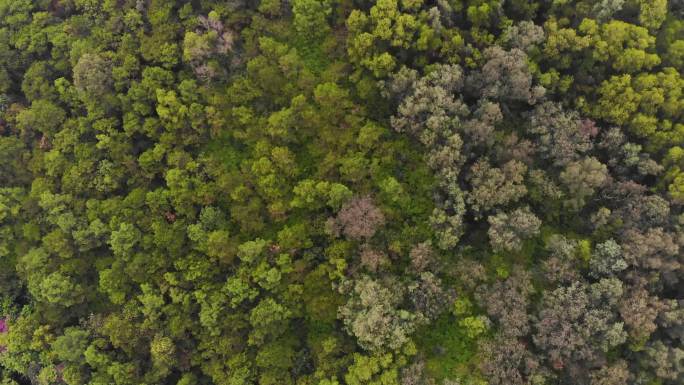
(341, 192)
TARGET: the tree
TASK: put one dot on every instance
(197, 47)
(314, 195)
(37, 83)
(665, 361)
(358, 219)
(431, 100)
(388, 28)
(505, 76)
(93, 75)
(639, 311)
(269, 320)
(507, 302)
(561, 43)
(429, 297)
(508, 230)
(421, 256)
(210, 40)
(42, 117)
(629, 48)
(578, 324)
(652, 13)
(447, 222)
(560, 135)
(480, 129)
(380, 368)
(124, 239)
(605, 9)
(618, 99)
(494, 187)
(560, 267)
(12, 152)
(607, 259)
(59, 288)
(474, 326)
(373, 316)
(310, 17)
(506, 360)
(613, 374)
(373, 260)
(676, 188)
(524, 36)
(415, 374)
(654, 249)
(71, 346)
(647, 103)
(162, 351)
(582, 178)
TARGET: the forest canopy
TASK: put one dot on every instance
(341, 192)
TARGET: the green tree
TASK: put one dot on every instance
(71, 346)
(42, 117)
(93, 75)
(310, 17)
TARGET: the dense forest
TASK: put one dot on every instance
(341, 192)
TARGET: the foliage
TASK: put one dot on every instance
(341, 192)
